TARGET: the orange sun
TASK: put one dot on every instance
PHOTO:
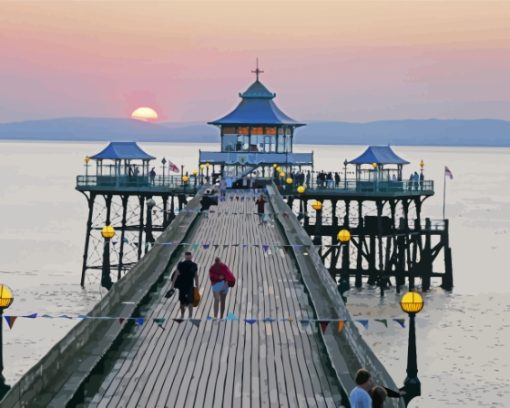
(145, 114)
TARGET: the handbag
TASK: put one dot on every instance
(196, 297)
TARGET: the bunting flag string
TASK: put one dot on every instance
(265, 247)
(323, 324)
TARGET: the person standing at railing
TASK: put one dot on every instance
(337, 179)
(152, 176)
(422, 179)
(308, 178)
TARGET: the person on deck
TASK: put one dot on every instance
(360, 395)
(152, 175)
(184, 276)
(260, 208)
(221, 279)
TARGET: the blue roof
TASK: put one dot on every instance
(122, 151)
(257, 108)
(379, 155)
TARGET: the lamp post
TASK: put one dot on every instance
(411, 303)
(6, 299)
(87, 160)
(345, 173)
(422, 165)
(108, 232)
(202, 167)
(195, 173)
(317, 206)
(163, 165)
(344, 236)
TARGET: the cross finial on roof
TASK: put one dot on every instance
(257, 70)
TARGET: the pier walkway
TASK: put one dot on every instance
(205, 363)
(229, 363)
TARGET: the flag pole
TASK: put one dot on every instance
(444, 195)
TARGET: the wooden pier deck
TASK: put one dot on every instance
(227, 363)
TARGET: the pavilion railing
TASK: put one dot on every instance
(361, 186)
(136, 182)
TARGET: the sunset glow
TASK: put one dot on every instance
(343, 60)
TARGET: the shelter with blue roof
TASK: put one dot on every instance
(122, 159)
(381, 162)
(256, 133)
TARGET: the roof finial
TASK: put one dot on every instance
(257, 70)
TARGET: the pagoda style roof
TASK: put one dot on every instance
(256, 108)
(122, 151)
(379, 155)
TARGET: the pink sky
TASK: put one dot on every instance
(343, 60)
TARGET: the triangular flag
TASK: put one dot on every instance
(231, 316)
(340, 326)
(30, 316)
(363, 322)
(383, 321)
(250, 321)
(195, 322)
(121, 320)
(139, 321)
(209, 318)
(265, 247)
(47, 316)
(324, 325)
(178, 320)
(159, 321)
(10, 320)
(205, 246)
(401, 322)
(304, 322)
(65, 317)
(268, 319)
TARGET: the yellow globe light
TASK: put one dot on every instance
(202, 166)
(207, 165)
(275, 166)
(185, 179)
(108, 232)
(411, 302)
(300, 189)
(194, 172)
(317, 205)
(422, 164)
(87, 159)
(282, 174)
(374, 165)
(278, 169)
(289, 180)
(6, 296)
(344, 236)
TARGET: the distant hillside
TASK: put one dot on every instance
(482, 132)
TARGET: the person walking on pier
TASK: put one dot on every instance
(261, 208)
(183, 279)
(360, 395)
(221, 279)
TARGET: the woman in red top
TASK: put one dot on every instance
(220, 275)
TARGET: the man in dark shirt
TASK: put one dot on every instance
(184, 276)
(260, 208)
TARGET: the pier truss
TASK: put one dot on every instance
(138, 219)
(390, 240)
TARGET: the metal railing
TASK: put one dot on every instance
(136, 182)
(361, 186)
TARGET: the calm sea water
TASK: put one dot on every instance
(463, 337)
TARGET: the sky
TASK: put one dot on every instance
(341, 60)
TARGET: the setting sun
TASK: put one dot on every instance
(145, 114)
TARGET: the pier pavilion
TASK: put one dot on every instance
(255, 136)
(121, 192)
